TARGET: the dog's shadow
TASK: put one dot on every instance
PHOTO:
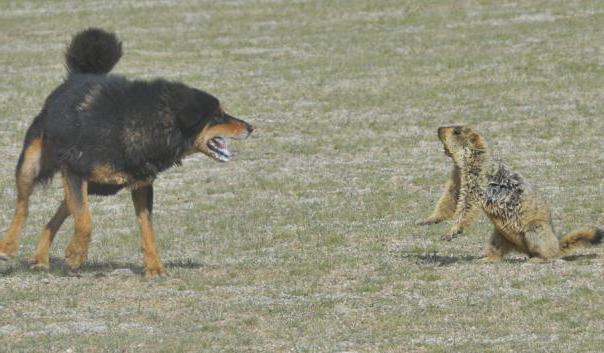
(58, 267)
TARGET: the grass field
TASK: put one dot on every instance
(307, 242)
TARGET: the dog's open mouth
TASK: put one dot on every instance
(219, 149)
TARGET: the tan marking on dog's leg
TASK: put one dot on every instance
(143, 204)
(76, 199)
(40, 258)
(27, 173)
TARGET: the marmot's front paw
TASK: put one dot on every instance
(448, 237)
(487, 259)
(427, 221)
(451, 235)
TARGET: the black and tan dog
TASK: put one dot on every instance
(104, 133)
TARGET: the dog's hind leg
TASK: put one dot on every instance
(143, 205)
(76, 200)
(28, 169)
(40, 258)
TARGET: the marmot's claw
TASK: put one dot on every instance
(447, 237)
(451, 235)
(429, 221)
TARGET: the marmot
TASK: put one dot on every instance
(522, 220)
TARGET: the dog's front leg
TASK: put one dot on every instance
(76, 199)
(143, 205)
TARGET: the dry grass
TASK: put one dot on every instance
(306, 243)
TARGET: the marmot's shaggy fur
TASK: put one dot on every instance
(522, 220)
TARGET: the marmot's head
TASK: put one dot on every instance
(459, 140)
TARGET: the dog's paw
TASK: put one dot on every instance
(156, 270)
(39, 264)
(75, 256)
(7, 250)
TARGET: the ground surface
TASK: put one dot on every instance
(307, 242)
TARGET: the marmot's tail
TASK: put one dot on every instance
(580, 238)
(93, 51)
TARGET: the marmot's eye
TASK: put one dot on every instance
(457, 132)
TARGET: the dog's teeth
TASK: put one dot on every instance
(219, 148)
(223, 158)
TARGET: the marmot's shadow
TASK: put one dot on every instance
(446, 260)
(577, 257)
(440, 260)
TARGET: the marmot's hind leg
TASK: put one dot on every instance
(540, 241)
(498, 247)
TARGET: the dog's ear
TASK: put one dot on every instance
(190, 116)
(197, 108)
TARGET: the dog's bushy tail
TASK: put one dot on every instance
(93, 51)
(580, 238)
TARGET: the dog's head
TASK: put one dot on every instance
(211, 126)
(459, 140)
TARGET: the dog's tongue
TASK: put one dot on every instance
(219, 146)
(219, 142)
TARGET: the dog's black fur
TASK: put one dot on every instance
(138, 127)
(105, 132)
